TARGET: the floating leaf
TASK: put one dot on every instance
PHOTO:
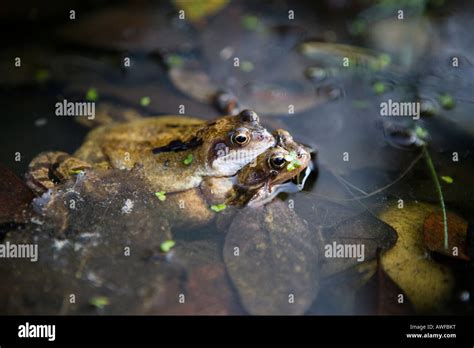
(446, 101)
(188, 160)
(174, 61)
(145, 101)
(421, 133)
(246, 66)
(250, 22)
(218, 207)
(99, 302)
(433, 230)
(379, 87)
(447, 179)
(161, 195)
(92, 94)
(166, 246)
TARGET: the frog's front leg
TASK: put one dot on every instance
(49, 169)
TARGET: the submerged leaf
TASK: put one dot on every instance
(433, 231)
(382, 296)
(427, 283)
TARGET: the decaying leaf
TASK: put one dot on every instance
(207, 291)
(272, 259)
(14, 196)
(427, 283)
(433, 231)
(382, 296)
(365, 232)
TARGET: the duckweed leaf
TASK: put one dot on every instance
(246, 66)
(379, 87)
(250, 22)
(446, 101)
(188, 160)
(294, 162)
(421, 133)
(166, 246)
(92, 94)
(161, 195)
(174, 61)
(99, 302)
(145, 101)
(447, 179)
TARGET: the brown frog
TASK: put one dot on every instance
(174, 153)
(254, 185)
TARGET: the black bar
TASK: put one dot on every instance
(240, 329)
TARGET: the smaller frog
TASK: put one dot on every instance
(260, 181)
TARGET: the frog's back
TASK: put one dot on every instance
(114, 139)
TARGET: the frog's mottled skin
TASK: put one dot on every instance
(174, 153)
(50, 168)
(256, 184)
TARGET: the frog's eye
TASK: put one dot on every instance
(277, 161)
(241, 137)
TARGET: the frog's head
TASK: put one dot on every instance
(260, 181)
(233, 142)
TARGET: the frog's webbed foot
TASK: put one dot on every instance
(49, 169)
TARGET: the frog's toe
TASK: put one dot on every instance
(49, 169)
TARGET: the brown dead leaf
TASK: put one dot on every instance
(207, 292)
(382, 296)
(428, 284)
(14, 196)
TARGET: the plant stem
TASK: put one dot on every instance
(431, 167)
